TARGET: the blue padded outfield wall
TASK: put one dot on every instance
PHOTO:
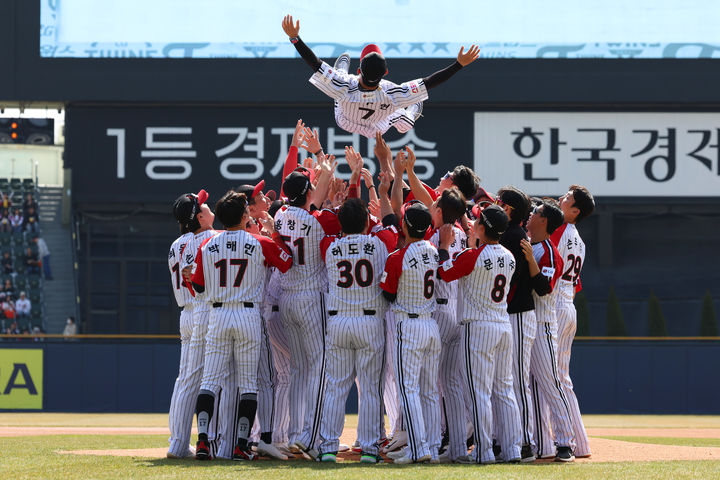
(633, 377)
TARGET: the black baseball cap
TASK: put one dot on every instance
(493, 217)
(296, 184)
(373, 68)
(187, 206)
(417, 218)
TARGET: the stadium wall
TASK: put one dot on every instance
(621, 377)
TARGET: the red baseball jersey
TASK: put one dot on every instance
(572, 251)
(355, 264)
(411, 273)
(232, 266)
(183, 294)
(302, 232)
(484, 275)
(550, 262)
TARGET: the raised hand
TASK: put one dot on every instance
(298, 135)
(292, 30)
(354, 160)
(410, 161)
(399, 164)
(367, 178)
(311, 143)
(384, 185)
(382, 151)
(465, 58)
(447, 235)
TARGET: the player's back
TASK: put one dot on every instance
(302, 232)
(417, 264)
(572, 251)
(485, 289)
(182, 294)
(189, 254)
(234, 268)
(550, 263)
(354, 264)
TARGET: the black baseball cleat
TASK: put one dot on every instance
(202, 450)
(370, 458)
(526, 454)
(564, 454)
(342, 63)
(243, 454)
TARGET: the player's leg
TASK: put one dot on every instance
(188, 391)
(451, 381)
(369, 361)
(429, 394)
(247, 334)
(175, 418)
(479, 343)
(503, 389)
(223, 426)
(403, 119)
(523, 334)
(281, 368)
(567, 326)
(298, 367)
(544, 441)
(410, 341)
(543, 366)
(310, 308)
(218, 353)
(340, 373)
(391, 396)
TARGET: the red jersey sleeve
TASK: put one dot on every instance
(291, 164)
(275, 255)
(557, 234)
(354, 191)
(325, 244)
(463, 264)
(198, 277)
(328, 220)
(185, 283)
(430, 190)
(388, 235)
(393, 270)
(559, 264)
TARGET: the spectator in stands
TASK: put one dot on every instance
(22, 309)
(29, 203)
(36, 331)
(8, 289)
(6, 202)
(31, 221)
(44, 255)
(32, 265)
(7, 308)
(5, 221)
(13, 329)
(7, 263)
(16, 221)
(70, 327)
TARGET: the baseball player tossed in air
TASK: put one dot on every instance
(231, 269)
(194, 216)
(545, 265)
(355, 338)
(576, 205)
(484, 272)
(366, 103)
(409, 284)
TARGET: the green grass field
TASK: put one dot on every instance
(38, 457)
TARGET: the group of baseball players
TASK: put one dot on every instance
(450, 308)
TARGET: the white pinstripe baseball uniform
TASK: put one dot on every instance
(303, 313)
(187, 393)
(410, 273)
(572, 250)
(543, 362)
(355, 334)
(183, 297)
(484, 274)
(451, 365)
(367, 112)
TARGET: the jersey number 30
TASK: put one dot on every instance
(363, 273)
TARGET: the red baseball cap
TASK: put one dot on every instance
(481, 192)
(251, 191)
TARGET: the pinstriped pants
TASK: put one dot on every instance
(547, 388)
(180, 425)
(487, 356)
(416, 370)
(355, 344)
(452, 385)
(391, 396)
(281, 367)
(303, 315)
(567, 325)
(524, 326)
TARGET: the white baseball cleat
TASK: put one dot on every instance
(407, 459)
(283, 447)
(342, 63)
(342, 447)
(270, 450)
(398, 453)
(399, 440)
